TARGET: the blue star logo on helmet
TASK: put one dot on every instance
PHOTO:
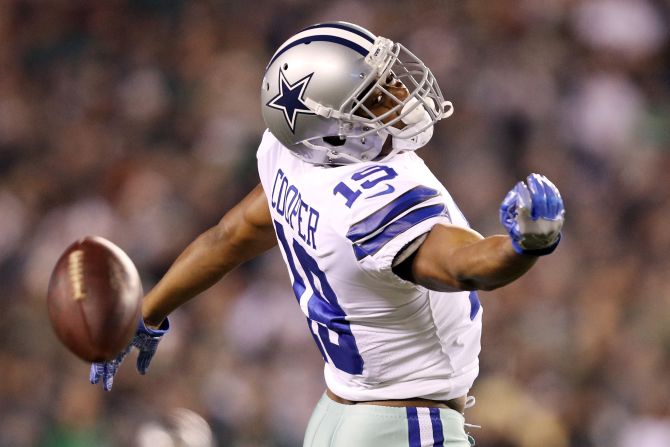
(290, 99)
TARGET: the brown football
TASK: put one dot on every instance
(94, 299)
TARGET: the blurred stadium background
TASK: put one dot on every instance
(138, 120)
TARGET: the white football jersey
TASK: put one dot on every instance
(340, 229)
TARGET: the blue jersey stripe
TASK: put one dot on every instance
(344, 26)
(436, 422)
(359, 253)
(347, 43)
(414, 434)
(381, 217)
(376, 243)
(474, 304)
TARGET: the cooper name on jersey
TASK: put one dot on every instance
(288, 202)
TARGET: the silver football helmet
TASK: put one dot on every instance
(321, 85)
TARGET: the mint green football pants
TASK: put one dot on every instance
(336, 425)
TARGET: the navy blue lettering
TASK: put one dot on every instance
(291, 202)
(288, 202)
(281, 195)
(280, 175)
(312, 222)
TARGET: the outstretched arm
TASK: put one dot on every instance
(243, 233)
(454, 258)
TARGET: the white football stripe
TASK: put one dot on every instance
(425, 426)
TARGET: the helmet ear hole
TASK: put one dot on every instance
(335, 140)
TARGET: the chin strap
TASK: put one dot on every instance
(331, 156)
(321, 110)
(419, 125)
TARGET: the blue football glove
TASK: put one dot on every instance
(146, 341)
(533, 215)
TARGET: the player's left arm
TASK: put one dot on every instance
(243, 233)
(455, 258)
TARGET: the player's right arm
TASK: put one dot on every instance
(454, 258)
(243, 233)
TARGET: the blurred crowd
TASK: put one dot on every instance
(138, 120)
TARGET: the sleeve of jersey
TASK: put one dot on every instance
(384, 228)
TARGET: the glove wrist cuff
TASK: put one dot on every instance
(155, 332)
(536, 251)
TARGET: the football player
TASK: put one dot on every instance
(382, 261)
